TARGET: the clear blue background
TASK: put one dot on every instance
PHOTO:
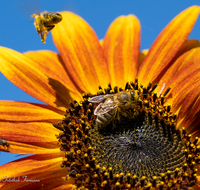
(16, 31)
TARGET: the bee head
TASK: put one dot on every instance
(58, 17)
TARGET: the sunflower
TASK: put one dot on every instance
(150, 144)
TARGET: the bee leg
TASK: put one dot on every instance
(49, 28)
(115, 118)
(44, 34)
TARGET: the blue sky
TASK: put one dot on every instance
(18, 33)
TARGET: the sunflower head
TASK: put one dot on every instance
(135, 146)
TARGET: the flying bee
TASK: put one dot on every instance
(45, 22)
(112, 105)
(4, 143)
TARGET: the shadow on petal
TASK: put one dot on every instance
(63, 94)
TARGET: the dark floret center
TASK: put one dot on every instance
(138, 148)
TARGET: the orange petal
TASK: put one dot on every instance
(38, 168)
(29, 165)
(64, 187)
(121, 49)
(181, 87)
(80, 50)
(53, 66)
(30, 138)
(26, 112)
(182, 75)
(180, 96)
(30, 77)
(197, 186)
(142, 55)
(187, 54)
(184, 66)
(190, 108)
(187, 45)
(24, 148)
(166, 46)
(192, 125)
(101, 42)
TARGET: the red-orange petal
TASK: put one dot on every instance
(30, 138)
(187, 46)
(142, 55)
(166, 46)
(181, 87)
(197, 186)
(30, 77)
(121, 49)
(64, 187)
(101, 42)
(176, 98)
(24, 148)
(184, 66)
(53, 66)
(26, 112)
(81, 52)
(190, 109)
(38, 167)
(181, 77)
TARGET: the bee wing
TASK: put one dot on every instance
(100, 98)
(105, 107)
(27, 8)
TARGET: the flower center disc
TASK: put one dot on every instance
(137, 147)
(133, 145)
